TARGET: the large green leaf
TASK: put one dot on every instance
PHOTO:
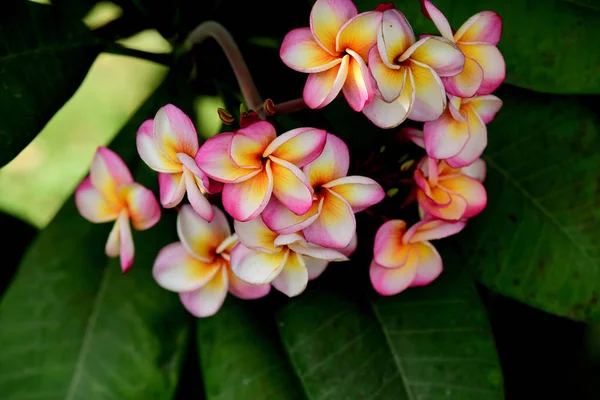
(72, 326)
(241, 356)
(44, 57)
(429, 342)
(549, 46)
(537, 240)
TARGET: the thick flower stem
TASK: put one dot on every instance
(290, 106)
(212, 29)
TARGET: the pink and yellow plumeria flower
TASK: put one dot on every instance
(408, 73)
(198, 267)
(254, 163)
(405, 258)
(334, 52)
(448, 193)
(330, 222)
(168, 144)
(285, 261)
(110, 194)
(477, 38)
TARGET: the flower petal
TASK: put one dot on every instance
(390, 281)
(436, 16)
(336, 224)
(248, 144)
(351, 248)
(390, 81)
(199, 237)
(432, 229)
(451, 209)
(293, 278)
(246, 291)
(190, 164)
(255, 235)
(477, 142)
(389, 250)
(359, 34)
(175, 269)
(299, 146)
(143, 207)
(441, 54)
(466, 83)
(171, 188)
(430, 96)
(208, 299)
(213, 158)
(301, 52)
(113, 244)
(492, 63)
(92, 205)
(359, 192)
(445, 137)
(175, 132)
(430, 265)
(483, 27)
(291, 187)
(327, 18)
(314, 267)
(357, 88)
(394, 37)
(477, 170)
(256, 267)
(485, 106)
(313, 250)
(108, 172)
(322, 87)
(469, 189)
(389, 115)
(126, 249)
(149, 151)
(199, 203)
(333, 162)
(415, 135)
(281, 220)
(245, 200)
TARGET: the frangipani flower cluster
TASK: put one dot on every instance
(288, 201)
(443, 81)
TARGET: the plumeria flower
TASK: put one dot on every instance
(334, 52)
(448, 193)
(477, 38)
(330, 222)
(198, 266)
(168, 144)
(285, 261)
(254, 163)
(408, 73)
(110, 194)
(405, 258)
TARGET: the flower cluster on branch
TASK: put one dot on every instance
(289, 196)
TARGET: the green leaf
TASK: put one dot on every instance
(21, 234)
(549, 47)
(44, 58)
(537, 240)
(431, 342)
(241, 356)
(72, 326)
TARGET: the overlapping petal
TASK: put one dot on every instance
(246, 291)
(359, 192)
(150, 152)
(299, 146)
(142, 206)
(432, 229)
(491, 62)
(391, 281)
(255, 235)
(469, 189)
(485, 106)
(389, 250)
(336, 224)
(171, 188)
(333, 162)
(208, 299)
(199, 203)
(483, 27)
(213, 158)
(290, 186)
(256, 267)
(429, 266)
(301, 52)
(439, 20)
(245, 200)
(446, 136)
(314, 267)
(359, 33)
(177, 270)
(248, 144)
(199, 237)
(175, 132)
(322, 88)
(108, 172)
(476, 143)
(92, 205)
(281, 220)
(466, 83)
(293, 278)
(442, 55)
(327, 18)
(476, 170)
(389, 115)
(394, 37)
(390, 79)
(126, 248)
(357, 88)
(430, 97)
